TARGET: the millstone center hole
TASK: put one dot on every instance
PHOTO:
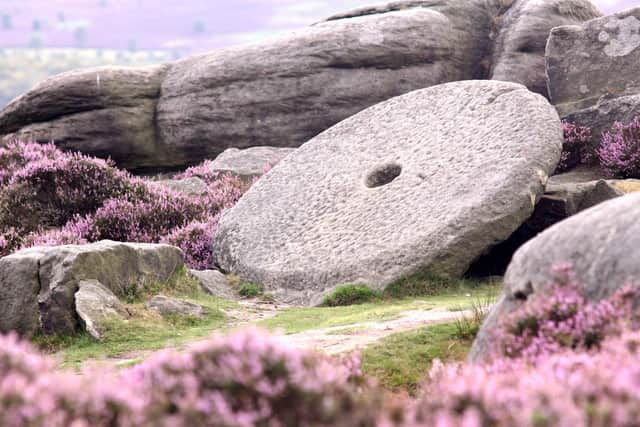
(383, 175)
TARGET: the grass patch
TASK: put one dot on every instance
(350, 295)
(179, 284)
(295, 320)
(250, 290)
(400, 361)
(428, 284)
(245, 289)
(467, 327)
(146, 330)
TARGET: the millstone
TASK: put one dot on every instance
(421, 184)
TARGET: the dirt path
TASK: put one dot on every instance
(343, 339)
(333, 340)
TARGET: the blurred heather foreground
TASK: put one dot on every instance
(416, 213)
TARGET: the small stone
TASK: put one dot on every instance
(192, 186)
(168, 305)
(96, 305)
(250, 162)
(214, 283)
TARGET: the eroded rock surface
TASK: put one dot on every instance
(283, 92)
(38, 285)
(521, 32)
(593, 71)
(420, 184)
(105, 112)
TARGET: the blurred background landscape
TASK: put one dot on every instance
(39, 38)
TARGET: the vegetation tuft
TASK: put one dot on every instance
(350, 295)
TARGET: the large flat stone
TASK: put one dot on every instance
(286, 91)
(420, 184)
(600, 243)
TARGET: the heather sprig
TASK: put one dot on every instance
(245, 379)
(51, 198)
(619, 151)
(562, 317)
(577, 148)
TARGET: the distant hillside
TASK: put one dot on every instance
(39, 38)
(20, 69)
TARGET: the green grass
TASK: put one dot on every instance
(250, 290)
(428, 284)
(146, 330)
(400, 361)
(458, 296)
(350, 295)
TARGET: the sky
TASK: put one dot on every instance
(187, 26)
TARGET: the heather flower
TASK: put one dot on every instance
(10, 240)
(51, 198)
(596, 389)
(196, 241)
(245, 379)
(561, 318)
(619, 151)
(577, 148)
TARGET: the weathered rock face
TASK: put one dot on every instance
(600, 243)
(106, 112)
(38, 285)
(283, 92)
(286, 91)
(593, 70)
(420, 184)
(250, 162)
(168, 305)
(521, 32)
(96, 306)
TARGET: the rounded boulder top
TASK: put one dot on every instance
(599, 245)
(421, 184)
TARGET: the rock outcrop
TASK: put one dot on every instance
(283, 92)
(420, 184)
(521, 33)
(593, 71)
(38, 285)
(601, 245)
(105, 112)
